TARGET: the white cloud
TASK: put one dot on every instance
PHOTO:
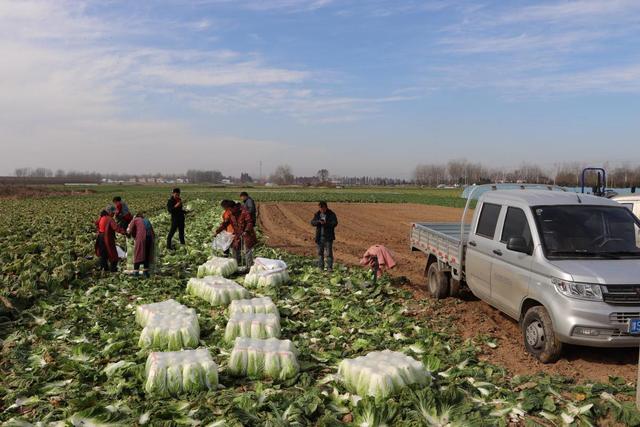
(563, 11)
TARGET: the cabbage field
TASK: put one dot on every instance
(70, 353)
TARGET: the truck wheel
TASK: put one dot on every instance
(437, 282)
(539, 338)
(454, 287)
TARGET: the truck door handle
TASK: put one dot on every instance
(497, 252)
(472, 243)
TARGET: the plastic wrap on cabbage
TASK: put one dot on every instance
(260, 358)
(381, 373)
(216, 266)
(216, 290)
(262, 305)
(267, 272)
(168, 325)
(177, 372)
(252, 325)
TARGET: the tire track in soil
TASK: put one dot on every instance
(287, 226)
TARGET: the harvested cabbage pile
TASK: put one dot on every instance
(256, 358)
(382, 373)
(254, 305)
(216, 266)
(176, 372)
(267, 272)
(168, 325)
(216, 290)
(252, 325)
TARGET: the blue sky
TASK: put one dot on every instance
(358, 87)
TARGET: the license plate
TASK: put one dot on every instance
(634, 326)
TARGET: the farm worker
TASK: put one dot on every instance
(122, 214)
(249, 205)
(106, 240)
(226, 224)
(175, 208)
(141, 230)
(379, 259)
(325, 222)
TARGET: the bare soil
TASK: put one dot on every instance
(34, 191)
(287, 226)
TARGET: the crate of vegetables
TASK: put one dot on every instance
(260, 358)
(263, 305)
(168, 325)
(216, 290)
(176, 372)
(217, 266)
(267, 272)
(252, 325)
(382, 373)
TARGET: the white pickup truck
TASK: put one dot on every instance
(566, 266)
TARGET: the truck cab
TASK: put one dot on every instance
(630, 202)
(566, 266)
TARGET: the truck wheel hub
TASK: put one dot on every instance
(535, 334)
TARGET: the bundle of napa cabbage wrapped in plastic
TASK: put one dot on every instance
(252, 325)
(382, 373)
(257, 358)
(176, 372)
(217, 266)
(267, 272)
(216, 290)
(263, 305)
(168, 325)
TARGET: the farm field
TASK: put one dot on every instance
(69, 353)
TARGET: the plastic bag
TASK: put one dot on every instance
(222, 241)
(121, 252)
(270, 264)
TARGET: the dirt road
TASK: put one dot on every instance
(286, 226)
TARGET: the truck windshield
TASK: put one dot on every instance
(583, 231)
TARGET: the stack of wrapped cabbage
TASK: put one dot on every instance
(262, 305)
(252, 325)
(168, 325)
(267, 272)
(176, 372)
(382, 373)
(256, 358)
(216, 266)
(216, 290)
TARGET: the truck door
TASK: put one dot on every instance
(479, 251)
(511, 270)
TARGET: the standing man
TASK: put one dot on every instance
(249, 205)
(325, 222)
(175, 208)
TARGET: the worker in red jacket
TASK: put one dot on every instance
(122, 214)
(106, 240)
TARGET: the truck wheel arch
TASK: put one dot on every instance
(526, 305)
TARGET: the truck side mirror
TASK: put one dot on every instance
(518, 244)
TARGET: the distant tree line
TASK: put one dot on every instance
(461, 172)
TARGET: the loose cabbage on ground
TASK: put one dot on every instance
(177, 372)
(216, 290)
(216, 266)
(168, 325)
(262, 305)
(252, 325)
(382, 373)
(267, 272)
(257, 358)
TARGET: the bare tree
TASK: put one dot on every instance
(323, 175)
(282, 175)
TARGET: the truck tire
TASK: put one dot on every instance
(437, 282)
(539, 338)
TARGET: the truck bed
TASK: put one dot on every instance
(441, 239)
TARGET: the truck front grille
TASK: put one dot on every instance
(621, 294)
(623, 317)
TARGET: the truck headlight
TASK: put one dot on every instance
(586, 291)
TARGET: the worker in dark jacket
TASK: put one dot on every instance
(176, 209)
(325, 221)
(249, 205)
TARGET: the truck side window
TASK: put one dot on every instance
(516, 225)
(488, 220)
